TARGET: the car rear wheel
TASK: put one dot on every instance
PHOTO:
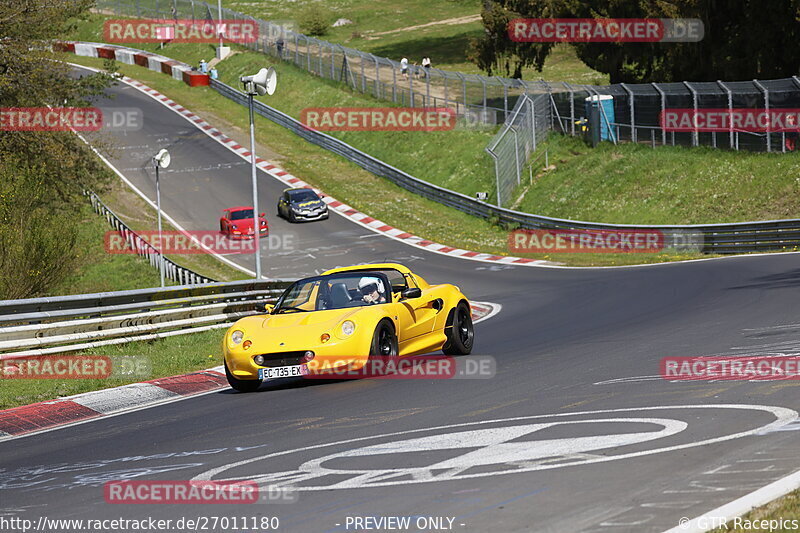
(384, 341)
(460, 332)
(241, 385)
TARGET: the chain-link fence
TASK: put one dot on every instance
(628, 112)
(511, 148)
(486, 97)
(635, 111)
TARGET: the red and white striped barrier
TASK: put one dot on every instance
(129, 56)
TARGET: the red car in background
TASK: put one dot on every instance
(237, 223)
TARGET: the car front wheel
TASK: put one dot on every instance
(241, 385)
(384, 341)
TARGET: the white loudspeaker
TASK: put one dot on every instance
(262, 83)
(162, 158)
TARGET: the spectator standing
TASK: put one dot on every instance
(426, 64)
(279, 45)
(203, 66)
(404, 67)
(213, 73)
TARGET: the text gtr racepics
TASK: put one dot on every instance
(341, 318)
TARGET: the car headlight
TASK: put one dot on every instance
(348, 327)
(234, 226)
(237, 336)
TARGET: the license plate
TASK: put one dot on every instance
(282, 372)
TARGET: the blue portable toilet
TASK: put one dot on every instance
(606, 113)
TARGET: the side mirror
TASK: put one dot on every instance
(262, 215)
(411, 292)
(268, 308)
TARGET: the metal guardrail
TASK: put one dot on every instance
(141, 247)
(738, 237)
(42, 326)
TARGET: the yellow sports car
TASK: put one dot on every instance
(341, 318)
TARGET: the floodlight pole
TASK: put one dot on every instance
(256, 214)
(160, 238)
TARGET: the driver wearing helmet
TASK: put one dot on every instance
(372, 290)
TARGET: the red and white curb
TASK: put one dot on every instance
(42, 416)
(93, 49)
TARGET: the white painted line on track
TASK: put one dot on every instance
(717, 517)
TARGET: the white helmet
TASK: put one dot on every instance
(365, 285)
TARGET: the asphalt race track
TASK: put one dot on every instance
(575, 432)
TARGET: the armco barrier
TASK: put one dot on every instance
(172, 270)
(716, 238)
(42, 326)
(739, 237)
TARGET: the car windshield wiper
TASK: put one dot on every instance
(278, 311)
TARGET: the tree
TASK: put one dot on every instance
(41, 173)
(744, 39)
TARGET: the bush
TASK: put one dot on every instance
(36, 241)
(315, 21)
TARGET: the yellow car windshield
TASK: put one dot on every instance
(336, 291)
